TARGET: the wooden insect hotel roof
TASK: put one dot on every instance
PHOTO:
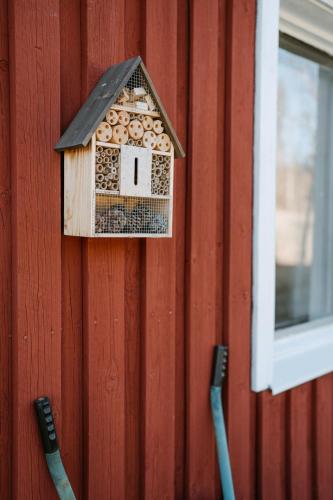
(104, 95)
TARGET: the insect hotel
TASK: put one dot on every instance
(119, 159)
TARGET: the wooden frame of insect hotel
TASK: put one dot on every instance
(119, 159)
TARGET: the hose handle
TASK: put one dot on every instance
(219, 365)
(46, 424)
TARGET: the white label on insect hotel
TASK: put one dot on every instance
(135, 171)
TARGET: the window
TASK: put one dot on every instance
(293, 199)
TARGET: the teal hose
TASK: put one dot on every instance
(221, 443)
(51, 448)
(219, 372)
(59, 476)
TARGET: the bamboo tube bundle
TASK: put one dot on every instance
(107, 168)
(112, 117)
(135, 130)
(104, 132)
(131, 142)
(158, 172)
(120, 134)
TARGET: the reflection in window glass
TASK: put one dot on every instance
(304, 253)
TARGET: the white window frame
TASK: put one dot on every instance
(306, 351)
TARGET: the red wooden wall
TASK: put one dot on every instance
(119, 333)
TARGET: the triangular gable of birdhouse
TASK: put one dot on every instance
(126, 84)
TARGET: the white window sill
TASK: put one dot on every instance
(301, 357)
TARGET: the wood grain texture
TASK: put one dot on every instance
(202, 252)
(272, 446)
(104, 360)
(104, 297)
(300, 443)
(5, 264)
(180, 232)
(71, 354)
(130, 376)
(134, 257)
(159, 282)
(323, 433)
(238, 241)
(35, 92)
(133, 377)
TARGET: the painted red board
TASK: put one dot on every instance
(323, 420)
(104, 297)
(300, 442)
(114, 363)
(133, 375)
(323, 429)
(272, 446)
(202, 281)
(134, 256)
(34, 128)
(180, 231)
(72, 418)
(238, 242)
(5, 263)
(160, 281)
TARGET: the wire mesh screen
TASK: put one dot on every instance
(107, 168)
(131, 215)
(137, 91)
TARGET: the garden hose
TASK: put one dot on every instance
(51, 449)
(219, 372)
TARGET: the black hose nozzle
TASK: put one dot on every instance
(46, 424)
(219, 365)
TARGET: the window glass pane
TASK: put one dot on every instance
(304, 256)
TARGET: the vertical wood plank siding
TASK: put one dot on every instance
(5, 263)
(72, 346)
(119, 333)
